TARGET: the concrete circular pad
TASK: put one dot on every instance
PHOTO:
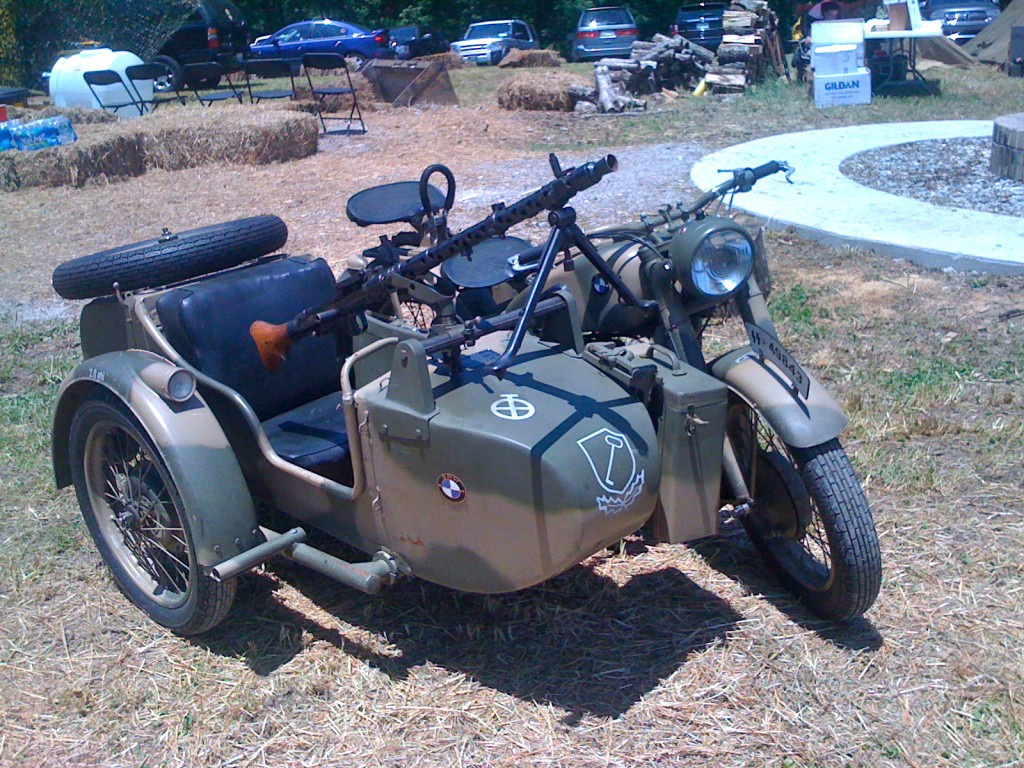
(824, 205)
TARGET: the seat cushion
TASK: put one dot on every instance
(208, 323)
(311, 435)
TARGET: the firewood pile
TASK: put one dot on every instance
(750, 51)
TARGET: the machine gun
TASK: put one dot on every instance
(369, 287)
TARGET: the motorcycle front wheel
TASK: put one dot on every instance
(810, 519)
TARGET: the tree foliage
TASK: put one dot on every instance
(44, 29)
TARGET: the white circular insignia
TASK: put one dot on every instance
(451, 487)
(513, 408)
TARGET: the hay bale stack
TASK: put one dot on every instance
(542, 58)
(170, 139)
(448, 58)
(539, 91)
(229, 134)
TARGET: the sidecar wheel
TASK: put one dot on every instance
(170, 258)
(135, 515)
(811, 521)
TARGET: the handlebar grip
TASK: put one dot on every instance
(766, 170)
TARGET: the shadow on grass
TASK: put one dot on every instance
(579, 641)
(734, 555)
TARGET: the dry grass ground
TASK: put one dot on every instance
(647, 655)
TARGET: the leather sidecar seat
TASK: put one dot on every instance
(208, 322)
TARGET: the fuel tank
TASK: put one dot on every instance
(600, 309)
(492, 485)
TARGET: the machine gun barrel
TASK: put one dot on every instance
(369, 288)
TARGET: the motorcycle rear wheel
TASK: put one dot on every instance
(137, 520)
(810, 519)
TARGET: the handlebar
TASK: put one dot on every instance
(743, 180)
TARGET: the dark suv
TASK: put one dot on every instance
(412, 41)
(701, 24)
(215, 31)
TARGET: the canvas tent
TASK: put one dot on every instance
(944, 50)
(992, 45)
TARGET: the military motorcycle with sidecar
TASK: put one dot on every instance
(226, 387)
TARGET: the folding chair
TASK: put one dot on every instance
(198, 76)
(152, 71)
(277, 68)
(105, 79)
(333, 61)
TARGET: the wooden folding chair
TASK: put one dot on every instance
(320, 62)
(110, 97)
(199, 77)
(268, 68)
(154, 72)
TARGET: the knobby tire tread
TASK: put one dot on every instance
(152, 263)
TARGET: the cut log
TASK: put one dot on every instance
(733, 52)
(726, 83)
(739, 22)
(613, 98)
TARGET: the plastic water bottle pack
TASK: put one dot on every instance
(39, 134)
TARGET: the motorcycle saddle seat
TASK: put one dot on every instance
(392, 203)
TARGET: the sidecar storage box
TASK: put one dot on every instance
(691, 435)
(691, 431)
(489, 484)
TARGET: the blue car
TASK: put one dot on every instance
(323, 36)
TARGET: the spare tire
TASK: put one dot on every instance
(170, 258)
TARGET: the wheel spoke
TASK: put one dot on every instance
(142, 511)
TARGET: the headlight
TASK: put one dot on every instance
(712, 257)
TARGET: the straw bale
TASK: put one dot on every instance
(547, 91)
(169, 139)
(542, 58)
(228, 134)
(450, 59)
(76, 115)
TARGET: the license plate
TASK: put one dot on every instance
(401, 50)
(770, 348)
(607, 35)
(703, 26)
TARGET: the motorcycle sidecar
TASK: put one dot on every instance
(178, 442)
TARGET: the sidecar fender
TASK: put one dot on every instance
(799, 422)
(190, 440)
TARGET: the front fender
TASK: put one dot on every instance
(190, 440)
(800, 423)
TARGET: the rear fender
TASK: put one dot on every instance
(800, 423)
(191, 443)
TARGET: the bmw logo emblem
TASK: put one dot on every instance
(451, 488)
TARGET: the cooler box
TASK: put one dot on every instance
(837, 59)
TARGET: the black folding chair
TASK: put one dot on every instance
(154, 72)
(320, 62)
(108, 97)
(268, 68)
(203, 80)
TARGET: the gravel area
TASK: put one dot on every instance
(950, 172)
